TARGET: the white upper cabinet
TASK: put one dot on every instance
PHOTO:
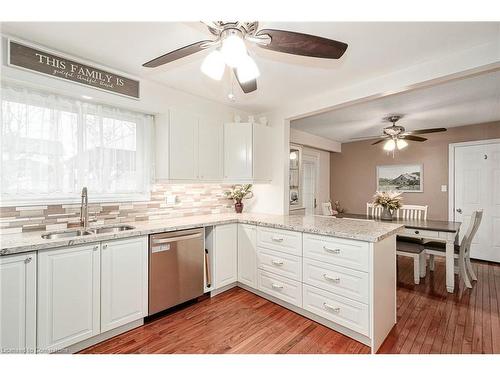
(18, 303)
(68, 296)
(210, 149)
(124, 281)
(247, 154)
(183, 141)
(238, 151)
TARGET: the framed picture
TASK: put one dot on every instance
(407, 178)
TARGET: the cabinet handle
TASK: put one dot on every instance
(333, 251)
(330, 307)
(96, 247)
(277, 262)
(277, 286)
(330, 278)
(417, 232)
(277, 239)
(28, 259)
(105, 246)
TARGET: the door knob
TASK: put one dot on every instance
(459, 210)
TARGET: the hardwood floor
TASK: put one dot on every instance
(430, 320)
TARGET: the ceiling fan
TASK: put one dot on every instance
(396, 136)
(230, 49)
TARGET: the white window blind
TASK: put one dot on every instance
(52, 146)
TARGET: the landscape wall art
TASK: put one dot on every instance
(405, 178)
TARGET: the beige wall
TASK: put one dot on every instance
(353, 172)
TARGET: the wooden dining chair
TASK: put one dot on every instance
(413, 250)
(412, 212)
(373, 211)
(462, 251)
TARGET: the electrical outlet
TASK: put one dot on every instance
(171, 200)
(444, 188)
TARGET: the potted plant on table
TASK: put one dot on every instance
(390, 201)
(238, 193)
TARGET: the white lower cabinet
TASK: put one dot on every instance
(68, 296)
(18, 303)
(225, 255)
(247, 256)
(90, 289)
(280, 287)
(124, 282)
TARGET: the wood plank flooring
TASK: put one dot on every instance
(430, 320)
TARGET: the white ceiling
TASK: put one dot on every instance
(374, 49)
(455, 103)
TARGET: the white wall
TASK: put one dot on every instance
(307, 139)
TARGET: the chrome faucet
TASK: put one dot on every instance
(84, 209)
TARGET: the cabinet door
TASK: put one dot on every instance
(183, 140)
(238, 151)
(262, 153)
(68, 296)
(210, 150)
(18, 303)
(247, 255)
(124, 282)
(226, 253)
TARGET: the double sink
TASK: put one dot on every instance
(85, 232)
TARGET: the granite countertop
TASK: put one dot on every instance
(436, 225)
(363, 230)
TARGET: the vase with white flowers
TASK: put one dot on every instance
(390, 201)
(238, 193)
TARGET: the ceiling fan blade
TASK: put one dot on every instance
(247, 87)
(303, 44)
(379, 141)
(368, 137)
(426, 131)
(413, 138)
(177, 54)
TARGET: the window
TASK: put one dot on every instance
(52, 146)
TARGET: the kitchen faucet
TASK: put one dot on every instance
(84, 209)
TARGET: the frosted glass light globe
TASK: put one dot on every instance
(213, 65)
(233, 50)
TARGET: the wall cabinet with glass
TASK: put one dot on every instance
(295, 171)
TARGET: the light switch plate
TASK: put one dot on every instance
(444, 188)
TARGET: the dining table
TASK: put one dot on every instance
(426, 230)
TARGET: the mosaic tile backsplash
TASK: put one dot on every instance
(192, 199)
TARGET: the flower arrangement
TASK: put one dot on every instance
(238, 193)
(390, 201)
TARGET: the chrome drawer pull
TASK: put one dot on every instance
(330, 307)
(277, 286)
(277, 262)
(333, 251)
(330, 278)
(28, 259)
(277, 239)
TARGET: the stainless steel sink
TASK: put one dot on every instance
(112, 229)
(66, 234)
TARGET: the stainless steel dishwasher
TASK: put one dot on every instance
(176, 266)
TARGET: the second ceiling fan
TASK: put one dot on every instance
(230, 49)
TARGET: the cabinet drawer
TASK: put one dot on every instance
(419, 233)
(346, 312)
(347, 253)
(278, 239)
(340, 280)
(280, 263)
(280, 287)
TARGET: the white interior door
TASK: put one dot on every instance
(309, 184)
(477, 186)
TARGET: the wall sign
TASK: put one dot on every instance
(40, 61)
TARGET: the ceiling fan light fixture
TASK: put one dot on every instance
(401, 143)
(390, 145)
(233, 50)
(213, 65)
(247, 70)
